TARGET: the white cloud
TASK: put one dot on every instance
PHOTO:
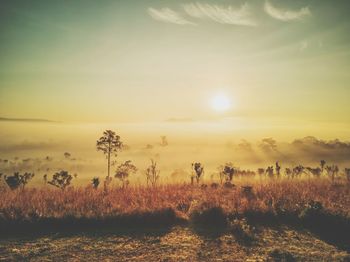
(168, 15)
(220, 14)
(286, 15)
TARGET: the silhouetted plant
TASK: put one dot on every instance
(67, 155)
(123, 171)
(18, 180)
(198, 171)
(228, 171)
(61, 180)
(269, 171)
(322, 163)
(278, 169)
(298, 170)
(152, 173)
(332, 171)
(109, 144)
(314, 171)
(288, 172)
(95, 182)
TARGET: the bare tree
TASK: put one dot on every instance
(109, 144)
(152, 173)
(123, 171)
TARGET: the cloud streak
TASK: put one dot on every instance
(286, 15)
(168, 15)
(220, 14)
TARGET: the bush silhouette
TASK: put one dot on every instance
(61, 180)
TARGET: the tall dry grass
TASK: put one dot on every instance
(267, 196)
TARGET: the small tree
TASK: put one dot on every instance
(18, 180)
(288, 172)
(95, 182)
(67, 155)
(109, 144)
(227, 172)
(123, 171)
(198, 171)
(298, 170)
(278, 169)
(269, 171)
(332, 171)
(61, 180)
(152, 173)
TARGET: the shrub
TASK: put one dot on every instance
(152, 173)
(123, 171)
(214, 216)
(243, 232)
(18, 180)
(61, 180)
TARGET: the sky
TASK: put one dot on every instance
(279, 63)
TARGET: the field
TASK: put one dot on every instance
(256, 219)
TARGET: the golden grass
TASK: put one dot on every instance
(268, 196)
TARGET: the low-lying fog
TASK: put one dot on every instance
(44, 148)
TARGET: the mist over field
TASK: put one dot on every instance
(41, 148)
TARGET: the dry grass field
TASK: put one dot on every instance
(271, 219)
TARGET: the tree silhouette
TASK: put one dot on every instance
(199, 170)
(269, 171)
(278, 169)
(228, 171)
(152, 173)
(332, 171)
(61, 180)
(109, 144)
(261, 171)
(95, 182)
(18, 180)
(123, 171)
(322, 163)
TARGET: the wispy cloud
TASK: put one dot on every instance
(168, 15)
(286, 15)
(221, 14)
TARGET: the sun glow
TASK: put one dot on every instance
(220, 103)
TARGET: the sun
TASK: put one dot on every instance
(220, 103)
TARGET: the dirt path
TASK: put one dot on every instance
(177, 244)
